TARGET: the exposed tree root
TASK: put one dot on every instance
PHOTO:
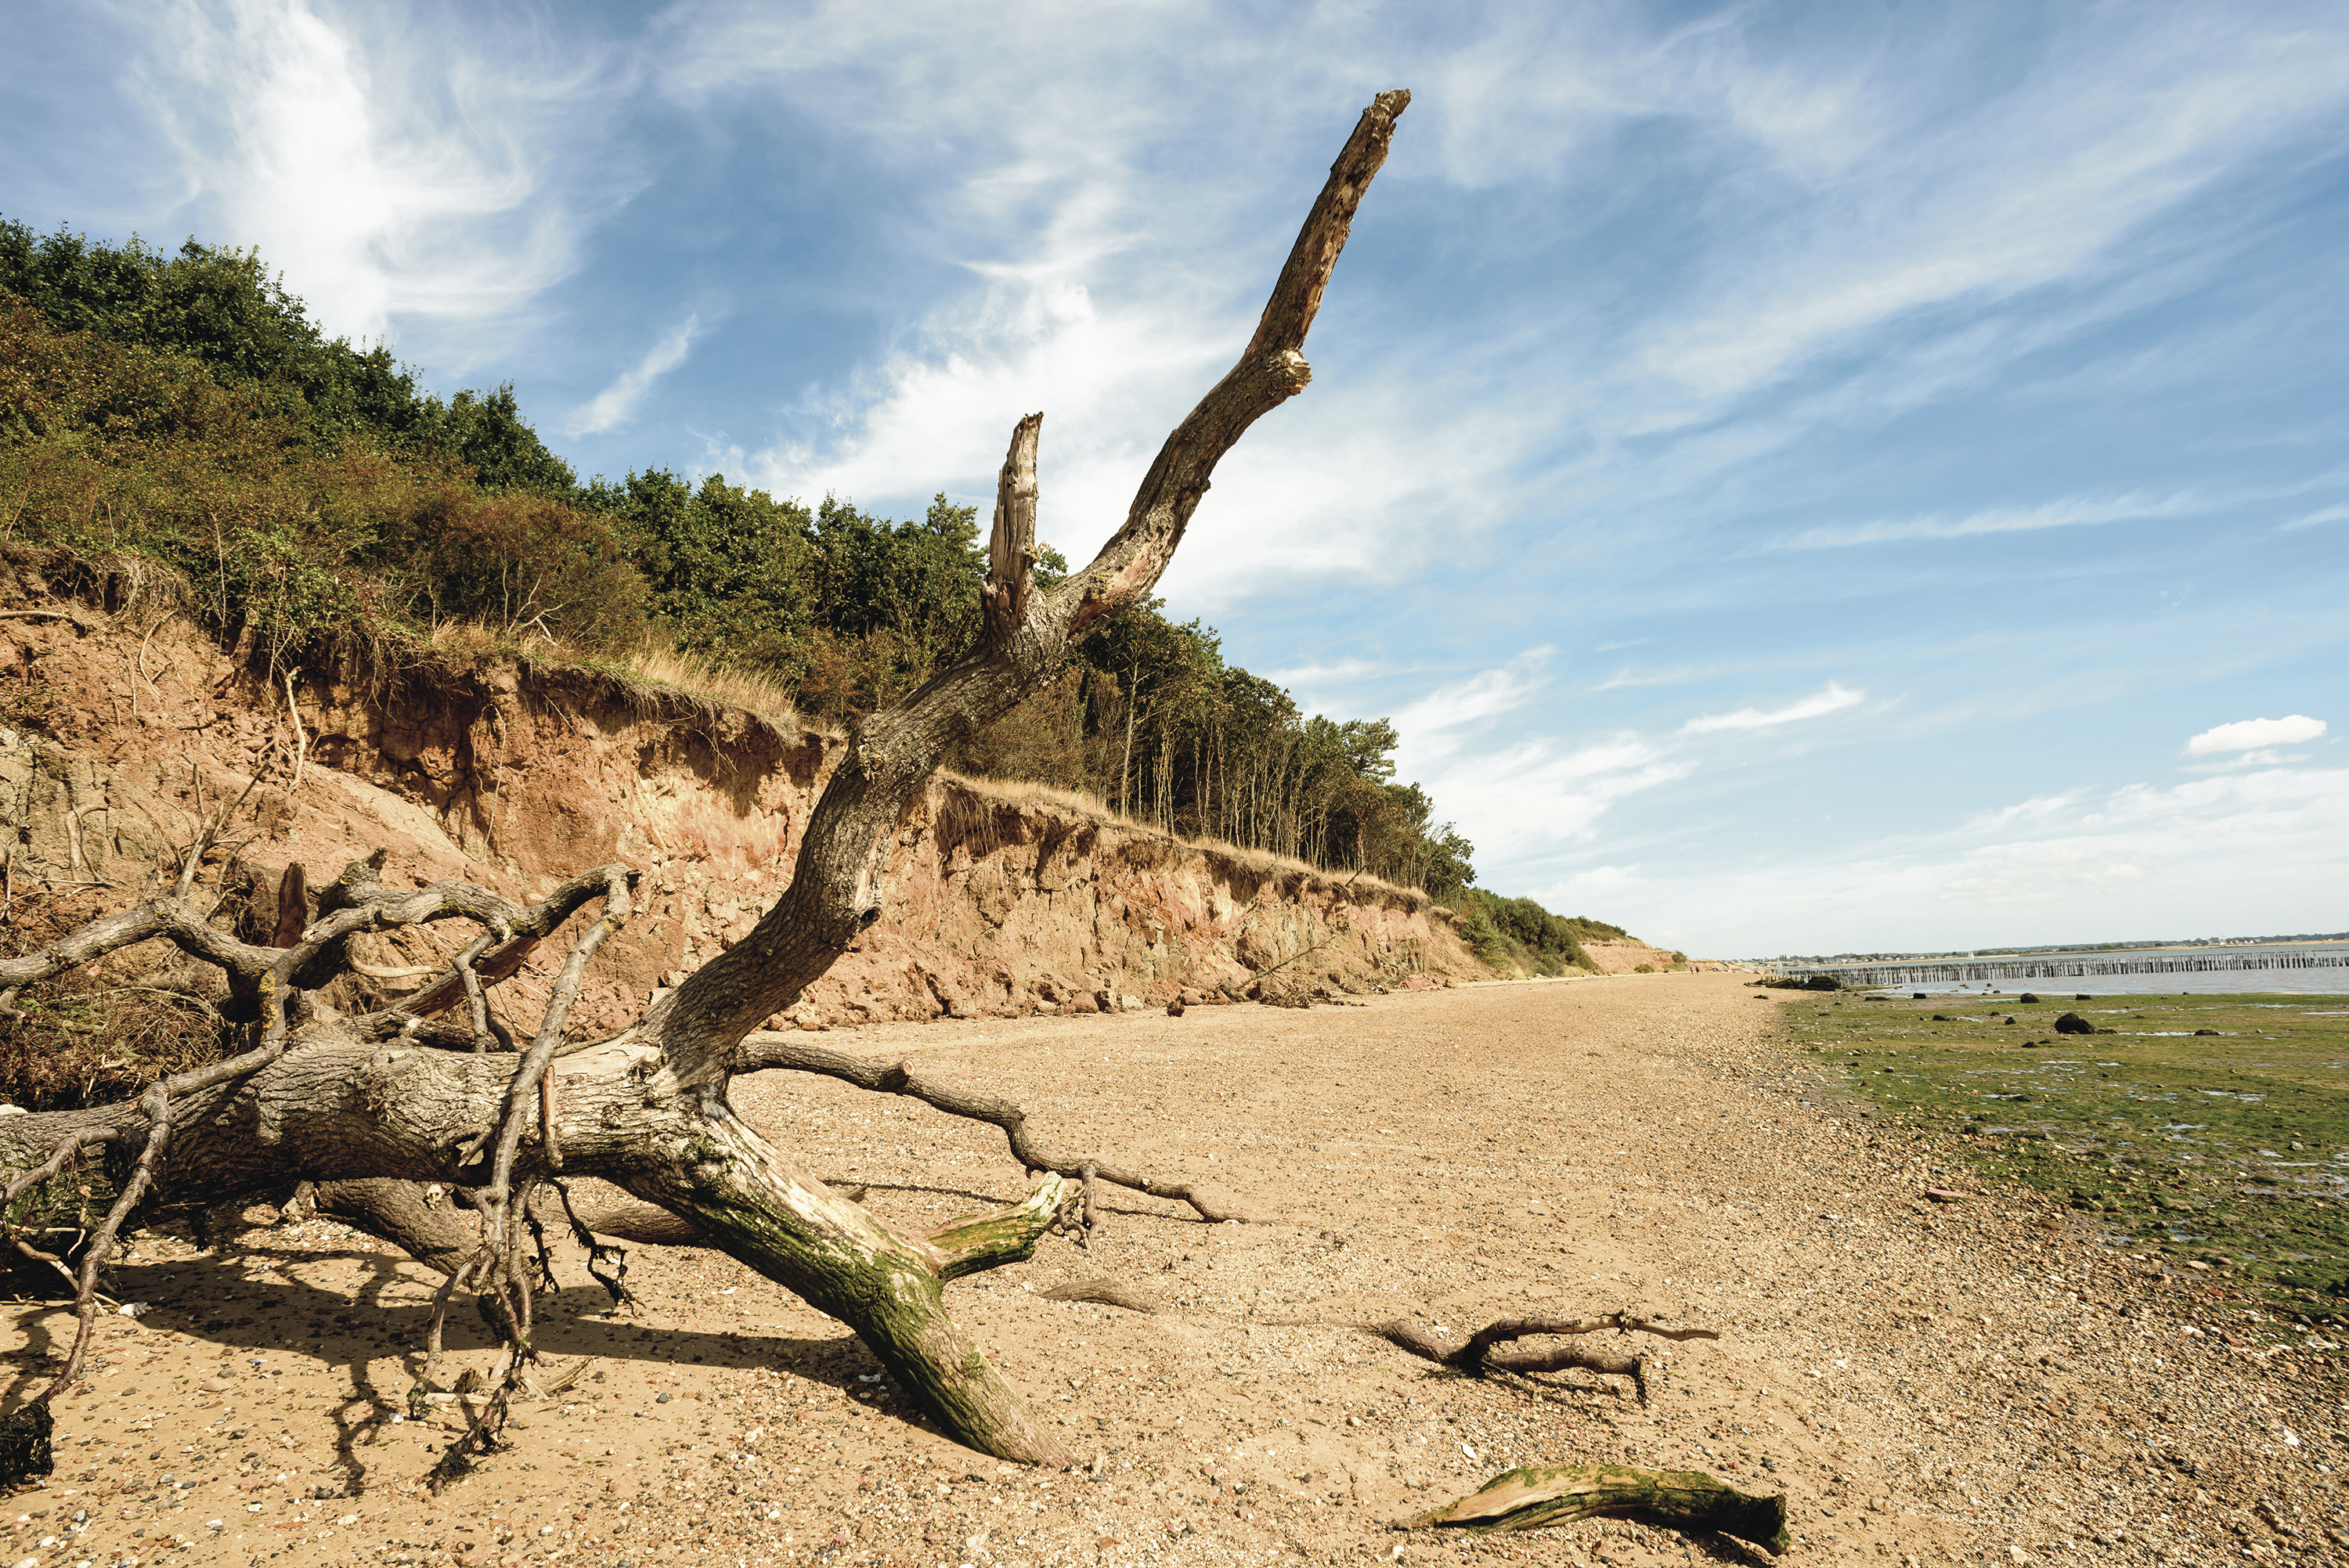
(1106, 1293)
(1536, 1495)
(770, 1048)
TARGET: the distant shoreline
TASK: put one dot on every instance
(2013, 956)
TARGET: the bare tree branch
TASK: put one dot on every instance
(1536, 1495)
(772, 1049)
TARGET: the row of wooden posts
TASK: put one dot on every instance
(1959, 971)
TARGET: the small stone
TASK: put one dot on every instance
(660, 1399)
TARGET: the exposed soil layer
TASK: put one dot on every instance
(118, 734)
(1981, 1382)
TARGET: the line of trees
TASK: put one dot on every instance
(183, 405)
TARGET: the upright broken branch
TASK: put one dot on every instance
(1011, 545)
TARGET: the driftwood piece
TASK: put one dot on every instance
(1484, 1351)
(787, 1050)
(1536, 1495)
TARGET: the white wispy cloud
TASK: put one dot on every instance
(2071, 511)
(2322, 515)
(2020, 187)
(1523, 795)
(1854, 188)
(1833, 698)
(2245, 735)
(1433, 721)
(617, 403)
(387, 177)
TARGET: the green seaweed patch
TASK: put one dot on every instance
(2210, 1128)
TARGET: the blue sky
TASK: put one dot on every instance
(1802, 477)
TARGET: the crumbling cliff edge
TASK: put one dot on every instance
(123, 727)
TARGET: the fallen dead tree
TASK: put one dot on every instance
(377, 1108)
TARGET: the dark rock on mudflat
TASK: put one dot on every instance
(2073, 1024)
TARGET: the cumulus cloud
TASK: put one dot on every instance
(2249, 734)
(617, 403)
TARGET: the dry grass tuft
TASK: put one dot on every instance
(651, 666)
(662, 666)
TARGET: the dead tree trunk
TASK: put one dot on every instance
(383, 1098)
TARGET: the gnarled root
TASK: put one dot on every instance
(1481, 1352)
(1536, 1495)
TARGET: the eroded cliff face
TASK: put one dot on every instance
(120, 735)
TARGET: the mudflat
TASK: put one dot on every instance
(1986, 1380)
